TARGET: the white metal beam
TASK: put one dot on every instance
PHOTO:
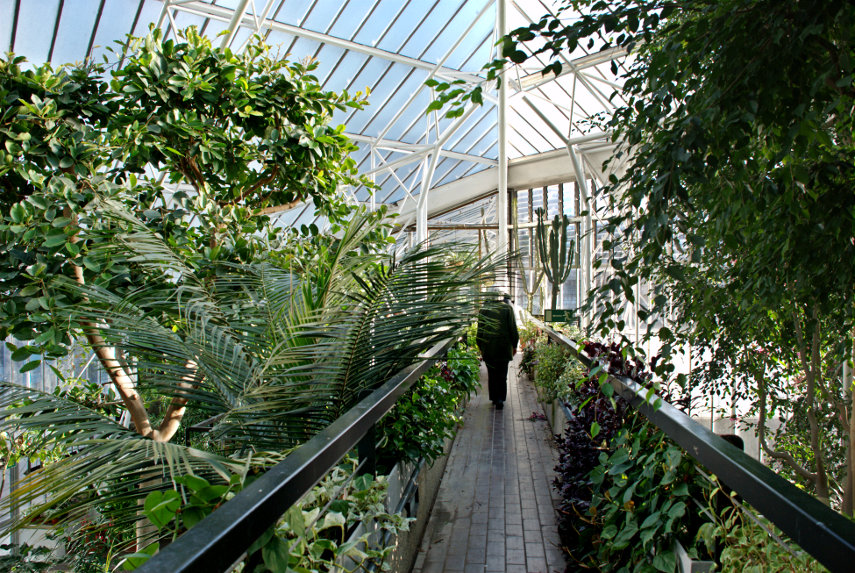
(224, 14)
(537, 79)
(502, 191)
(234, 23)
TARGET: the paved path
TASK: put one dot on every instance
(495, 510)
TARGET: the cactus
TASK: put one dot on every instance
(556, 258)
(538, 278)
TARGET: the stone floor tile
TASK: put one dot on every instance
(495, 509)
(515, 556)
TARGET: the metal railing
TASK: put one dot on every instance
(222, 538)
(822, 532)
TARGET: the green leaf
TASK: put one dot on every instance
(55, 241)
(665, 560)
(276, 554)
(160, 507)
(677, 510)
(651, 520)
(30, 366)
(21, 353)
(609, 531)
(18, 213)
(135, 560)
(624, 538)
(595, 429)
(518, 57)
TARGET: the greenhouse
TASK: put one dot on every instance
(427, 285)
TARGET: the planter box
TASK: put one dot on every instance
(427, 486)
(555, 416)
(686, 564)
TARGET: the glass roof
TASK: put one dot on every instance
(389, 46)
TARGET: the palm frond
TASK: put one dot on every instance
(106, 464)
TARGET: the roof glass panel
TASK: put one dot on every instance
(381, 118)
(352, 17)
(403, 26)
(384, 14)
(295, 12)
(387, 80)
(327, 58)
(115, 24)
(299, 50)
(426, 33)
(479, 138)
(35, 29)
(475, 50)
(71, 44)
(321, 20)
(231, 4)
(464, 16)
(344, 71)
(149, 13)
(214, 27)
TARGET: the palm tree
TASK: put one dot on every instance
(271, 357)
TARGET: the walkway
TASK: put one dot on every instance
(495, 510)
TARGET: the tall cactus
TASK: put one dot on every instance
(555, 256)
(538, 275)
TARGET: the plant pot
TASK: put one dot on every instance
(686, 564)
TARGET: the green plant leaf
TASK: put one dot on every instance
(160, 507)
(135, 560)
(665, 560)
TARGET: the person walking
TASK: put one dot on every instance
(497, 340)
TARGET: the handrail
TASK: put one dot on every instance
(223, 537)
(827, 535)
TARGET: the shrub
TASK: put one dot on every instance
(529, 334)
(642, 501)
(572, 377)
(596, 419)
(313, 534)
(429, 413)
(549, 362)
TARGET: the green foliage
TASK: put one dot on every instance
(243, 131)
(749, 548)
(529, 332)
(464, 367)
(643, 491)
(26, 558)
(269, 366)
(430, 412)
(550, 360)
(743, 542)
(312, 536)
(571, 377)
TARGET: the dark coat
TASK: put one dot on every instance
(497, 332)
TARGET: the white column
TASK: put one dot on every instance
(422, 206)
(502, 195)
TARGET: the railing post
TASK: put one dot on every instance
(367, 451)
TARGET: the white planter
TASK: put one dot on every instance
(686, 564)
